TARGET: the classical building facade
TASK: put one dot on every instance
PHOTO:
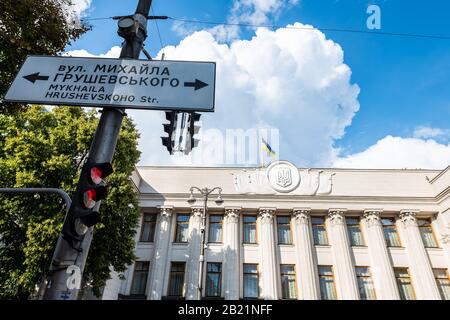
(287, 233)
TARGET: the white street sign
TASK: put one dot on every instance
(100, 82)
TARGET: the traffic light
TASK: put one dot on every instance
(169, 128)
(83, 212)
(193, 129)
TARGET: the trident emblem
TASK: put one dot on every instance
(284, 177)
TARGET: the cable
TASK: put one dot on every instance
(379, 33)
(312, 29)
(159, 35)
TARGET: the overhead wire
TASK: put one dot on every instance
(291, 27)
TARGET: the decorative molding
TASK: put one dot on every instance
(266, 215)
(165, 212)
(408, 218)
(232, 215)
(336, 216)
(372, 217)
(445, 238)
(301, 215)
(283, 177)
(197, 211)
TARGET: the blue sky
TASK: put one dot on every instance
(404, 81)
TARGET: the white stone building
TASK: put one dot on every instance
(289, 233)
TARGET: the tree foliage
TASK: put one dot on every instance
(41, 148)
(38, 27)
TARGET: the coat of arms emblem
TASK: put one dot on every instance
(284, 177)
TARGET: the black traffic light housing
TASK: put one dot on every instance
(169, 128)
(90, 190)
(193, 129)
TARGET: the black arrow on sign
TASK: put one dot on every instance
(197, 84)
(35, 76)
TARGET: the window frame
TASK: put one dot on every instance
(220, 279)
(152, 223)
(284, 224)
(176, 227)
(147, 271)
(409, 278)
(394, 226)
(295, 281)
(369, 271)
(171, 273)
(323, 276)
(243, 281)
(364, 244)
(256, 228)
(324, 224)
(447, 277)
(221, 227)
(430, 226)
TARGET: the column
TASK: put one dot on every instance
(419, 263)
(193, 256)
(381, 266)
(269, 270)
(231, 270)
(158, 262)
(344, 270)
(306, 261)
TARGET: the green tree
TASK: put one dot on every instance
(41, 148)
(39, 27)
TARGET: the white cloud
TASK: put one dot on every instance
(114, 52)
(398, 153)
(253, 12)
(430, 132)
(258, 11)
(80, 6)
(294, 81)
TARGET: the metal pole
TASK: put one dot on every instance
(202, 242)
(102, 150)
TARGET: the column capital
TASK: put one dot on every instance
(408, 217)
(266, 214)
(165, 211)
(372, 217)
(197, 211)
(301, 215)
(336, 216)
(232, 214)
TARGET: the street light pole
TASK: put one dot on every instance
(205, 192)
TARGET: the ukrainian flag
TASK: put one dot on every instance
(267, 147)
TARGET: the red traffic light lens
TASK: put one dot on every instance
(96, 175)
(89, 198)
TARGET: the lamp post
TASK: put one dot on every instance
(205, 192)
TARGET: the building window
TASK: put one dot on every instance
(326, 280)
(284, 230)
(390, 232)
(288, 286)
(139, 283)
(251, 281)
(249, 229)
(215, 228)
(443, 282)
(176, 279)
(148, 227)
(426, 232)
(404, 284)
(214, 280)
(181, 234)
(365, 284)
(319, 231)
(354, 232)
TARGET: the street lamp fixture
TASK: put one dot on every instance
(204, 192)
